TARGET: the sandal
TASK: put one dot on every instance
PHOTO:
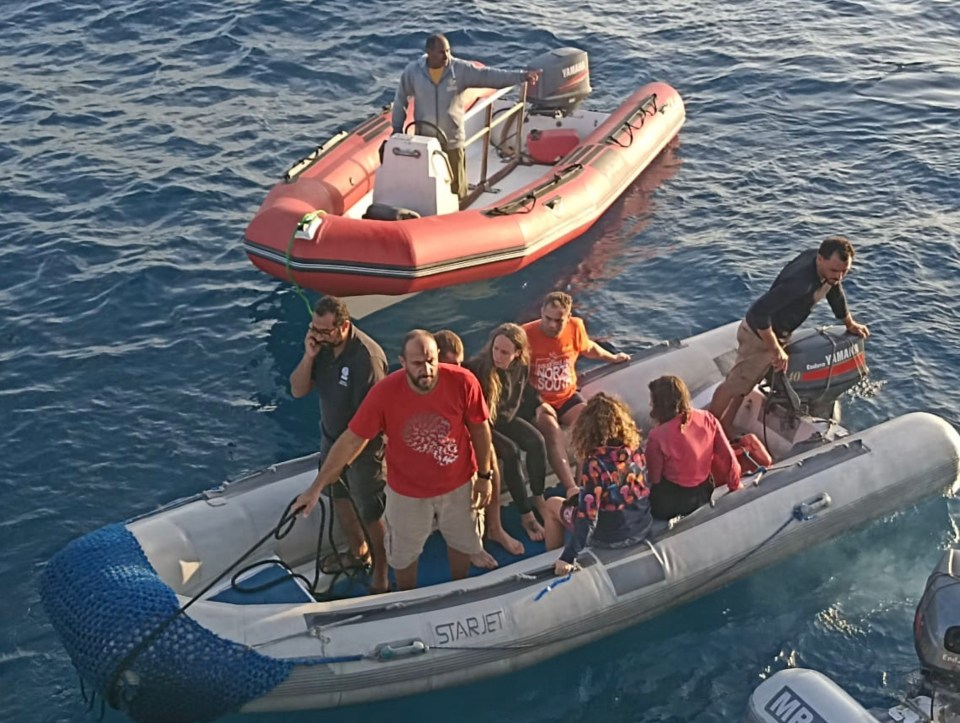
(340, 561)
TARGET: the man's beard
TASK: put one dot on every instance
(424, 382)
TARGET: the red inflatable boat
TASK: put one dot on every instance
(541, 172)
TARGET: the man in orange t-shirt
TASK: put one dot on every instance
(556, 342)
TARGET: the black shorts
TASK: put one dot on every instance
(363, 480)
(573, 401)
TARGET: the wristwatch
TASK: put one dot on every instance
(488, 475)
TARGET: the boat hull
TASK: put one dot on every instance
(110, 589)
(353, 256)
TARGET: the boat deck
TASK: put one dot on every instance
(498, 158)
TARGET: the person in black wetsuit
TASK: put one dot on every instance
(772, 318)
(503, 368)
(450, 347)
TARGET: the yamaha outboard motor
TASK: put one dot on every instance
(823, 364)
(563, 84)
(936, 633)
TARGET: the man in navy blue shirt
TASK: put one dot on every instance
(343, 364)
(771, 319)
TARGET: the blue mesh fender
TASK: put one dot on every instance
(103, 598)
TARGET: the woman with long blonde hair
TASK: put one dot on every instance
(681, 451)
(503, 368)
(612, 508)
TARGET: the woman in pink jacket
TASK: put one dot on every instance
(681, 451)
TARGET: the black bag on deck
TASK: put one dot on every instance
(383, 212)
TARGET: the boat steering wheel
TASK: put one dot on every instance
(440, 135)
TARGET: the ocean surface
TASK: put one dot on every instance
(143, 358)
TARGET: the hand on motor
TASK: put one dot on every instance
(481, 494)
(780, 359)
(533, 76)
(858, 329)
(305, 502)
(561, 568)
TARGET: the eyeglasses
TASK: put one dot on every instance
(325, 332)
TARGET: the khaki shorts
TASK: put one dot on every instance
(753, 361)
(410, 522)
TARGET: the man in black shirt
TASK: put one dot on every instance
(771, 319)
(343, 364)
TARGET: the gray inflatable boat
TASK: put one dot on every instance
(150, 625)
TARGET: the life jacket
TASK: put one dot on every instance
(751, 454)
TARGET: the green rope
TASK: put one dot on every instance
(301, 225)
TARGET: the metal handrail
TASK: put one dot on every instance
(490, 125)
(484, 134)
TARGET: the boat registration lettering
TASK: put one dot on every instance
(788, 707)
(472, 626)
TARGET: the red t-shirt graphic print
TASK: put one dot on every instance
(429, 450)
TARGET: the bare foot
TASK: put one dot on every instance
(508, 543)
(484, 560)
(532, 527)
(378, 588)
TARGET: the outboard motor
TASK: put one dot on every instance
(563, 84)
(823, 364)
(936, 634)
(798, 695)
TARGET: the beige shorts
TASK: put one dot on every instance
(753, 361)
(410, 521)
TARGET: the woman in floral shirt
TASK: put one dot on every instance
(612, 509)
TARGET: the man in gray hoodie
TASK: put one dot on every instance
(436, 82)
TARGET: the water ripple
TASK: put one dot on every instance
(142, 358)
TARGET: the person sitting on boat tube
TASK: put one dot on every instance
(450, 347)
(434, 419)
(612, 508)
(682, 450)
(772, 318)
(436, 82)
(503, 368)
(557, 340)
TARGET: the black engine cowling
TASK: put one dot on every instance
(823, 364)
(936, 626)
(564, 81)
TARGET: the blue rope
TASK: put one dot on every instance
(552, 585)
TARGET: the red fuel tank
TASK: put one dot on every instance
(551, 145)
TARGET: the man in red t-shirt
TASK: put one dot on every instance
(556, 342)
(435, 420)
